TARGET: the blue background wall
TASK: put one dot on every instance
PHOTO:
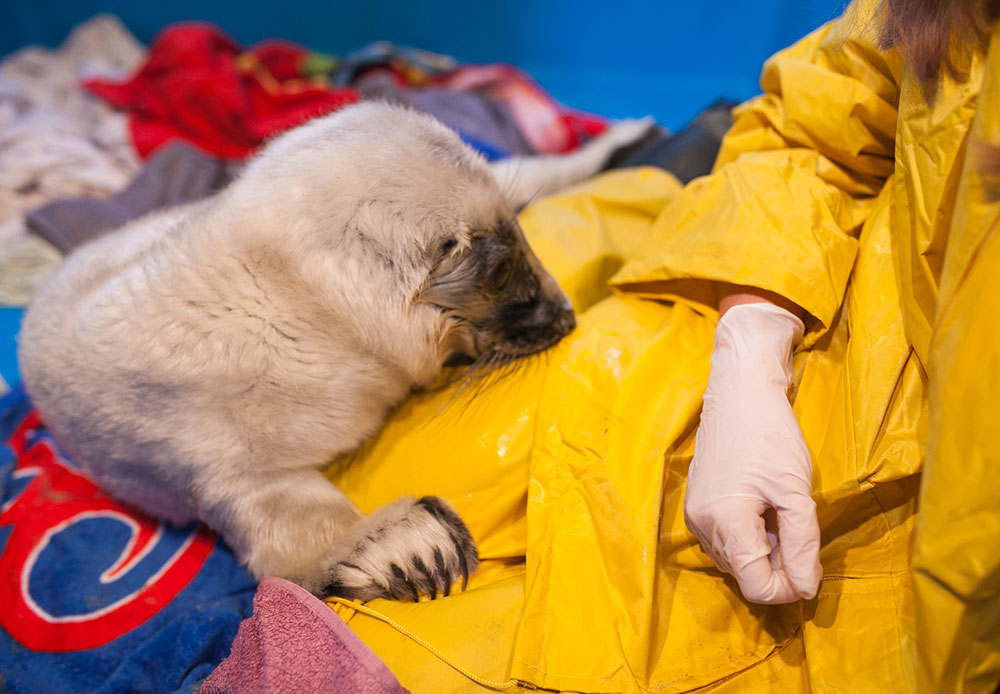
(667, 59)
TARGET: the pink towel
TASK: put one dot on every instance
(293, 642)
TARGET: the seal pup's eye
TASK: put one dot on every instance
(501, 273)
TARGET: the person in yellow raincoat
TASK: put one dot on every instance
(866, 201)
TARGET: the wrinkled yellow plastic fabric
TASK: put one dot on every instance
(957, 555)
(843, 190)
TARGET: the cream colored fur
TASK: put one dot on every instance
(207, 361)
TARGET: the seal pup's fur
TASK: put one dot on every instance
(207, 361)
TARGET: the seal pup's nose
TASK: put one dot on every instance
(565, 321)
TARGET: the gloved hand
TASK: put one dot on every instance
(750, 457)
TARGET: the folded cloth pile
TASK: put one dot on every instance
(175, 175)
(199, 85)
(57, 141)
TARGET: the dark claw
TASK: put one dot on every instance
(398, 573)
(422, 568)
(335, 587)
(457, 530)
(436, 508)
(464, 563)
(461, 558)
(442, 571)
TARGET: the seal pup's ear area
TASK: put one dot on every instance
(451, 287)
(452, 284)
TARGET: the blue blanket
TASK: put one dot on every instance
(97, 597)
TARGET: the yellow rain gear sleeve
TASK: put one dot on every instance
(795, 178)
(844, 190)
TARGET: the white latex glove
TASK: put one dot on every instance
(750, 457)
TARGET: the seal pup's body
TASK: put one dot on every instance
(207, 361)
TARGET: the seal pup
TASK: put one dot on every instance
(208, 361)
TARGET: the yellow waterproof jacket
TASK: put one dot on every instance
(843, 190)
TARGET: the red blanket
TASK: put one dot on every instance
(199, 85)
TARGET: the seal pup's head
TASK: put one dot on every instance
(404, 229)
(495, 296)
